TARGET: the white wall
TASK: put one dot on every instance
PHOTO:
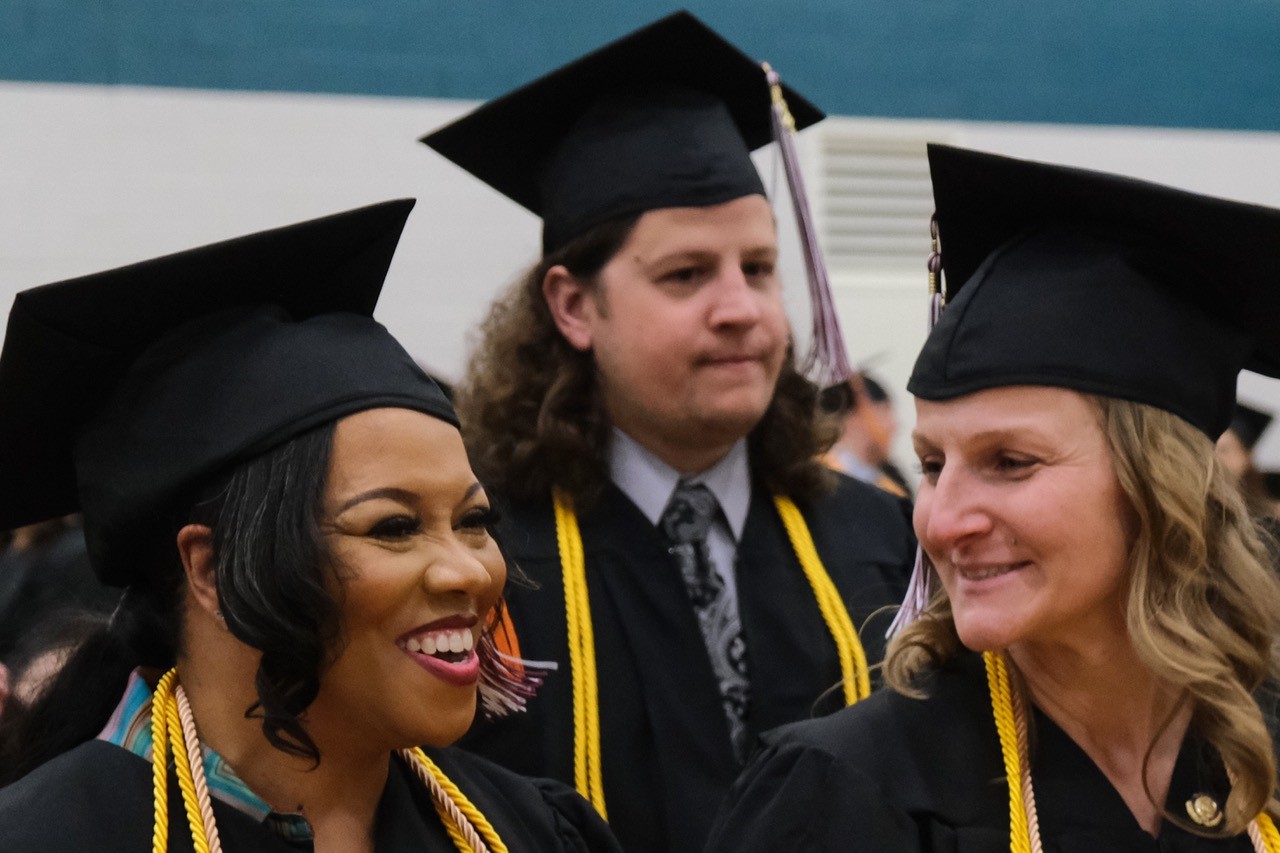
(93, 177)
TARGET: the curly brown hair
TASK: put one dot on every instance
(1203, 606)
(532, 412)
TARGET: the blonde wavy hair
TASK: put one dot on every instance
(1203, 607)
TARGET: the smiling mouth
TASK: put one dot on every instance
(982, 573)
(448, 653)
(451, 645)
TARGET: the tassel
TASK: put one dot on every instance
(507, 683)
(936, 298)
(920, 590)
(921, 587)
(827, 361)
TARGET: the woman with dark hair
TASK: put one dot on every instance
(311, 588)
(1092, 672)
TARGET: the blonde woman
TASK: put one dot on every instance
(1087, 676)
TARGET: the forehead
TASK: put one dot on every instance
(746, 222)
(380, 446)
(1022, 408)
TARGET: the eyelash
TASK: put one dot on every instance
(1011, 463)
(683, 275)
(396, 527)
(481, 516)
(402, 526)
(691, 274)
(930, 468)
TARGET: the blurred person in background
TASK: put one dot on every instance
(44, 568)
(1235, 451)
(868, 427)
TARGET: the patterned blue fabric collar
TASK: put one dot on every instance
(130, 728)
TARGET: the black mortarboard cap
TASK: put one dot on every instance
(838, 398)
(123, 391)
(1249, 424)
(1271, 485)
(1099, 283)
(875, 391)
(664, 117)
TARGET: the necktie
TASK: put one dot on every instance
(685, 523)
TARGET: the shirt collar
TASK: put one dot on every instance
(853, 466)
(649, 481)
(129, 727)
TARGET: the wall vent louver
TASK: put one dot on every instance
(875, 200)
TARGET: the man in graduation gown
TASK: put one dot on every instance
(638, 386)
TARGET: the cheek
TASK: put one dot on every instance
(773, 318)
(371, 587)
(1112, 549)
(634, 351)
(497, 568)
(920, 513)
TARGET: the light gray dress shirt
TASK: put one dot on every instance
(650, 482)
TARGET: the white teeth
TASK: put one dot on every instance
(983, 574)
(439, 642)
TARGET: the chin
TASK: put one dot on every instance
(985, 633)
(734, 418)
(445, 729)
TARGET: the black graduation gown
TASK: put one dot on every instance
(39, 581)
(926, 776)
(98, 797)
(666, 753)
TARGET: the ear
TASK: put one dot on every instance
(572, 306)
(195, 546)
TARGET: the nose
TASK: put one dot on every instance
(949, 512)
(466, 572)
(736, 303)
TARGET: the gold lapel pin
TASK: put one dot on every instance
(1204, 810)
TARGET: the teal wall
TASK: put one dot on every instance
(1180, 63)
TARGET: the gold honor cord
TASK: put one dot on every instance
(468, 827)
(582, 657)
(1010, 718)
(853, 660)
(587, 776)
(173, 727)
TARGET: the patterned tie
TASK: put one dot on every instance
(685, 523)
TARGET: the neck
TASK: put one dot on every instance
(339, 797)
(859, 445)
(686, 459)
(1109, 702)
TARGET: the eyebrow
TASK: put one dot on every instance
(985, 436)
(404, 496)
(679, 256)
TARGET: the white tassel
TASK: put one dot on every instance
(920, 591)
(508, 683)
